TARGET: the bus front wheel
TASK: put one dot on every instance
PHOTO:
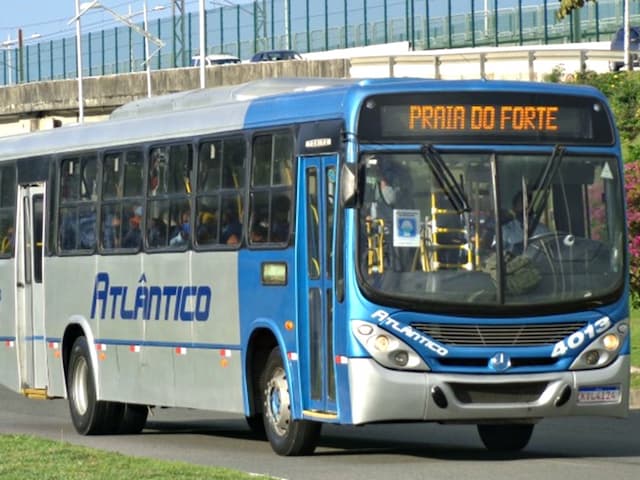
(89, 416)
(505, 437)
(287, 437)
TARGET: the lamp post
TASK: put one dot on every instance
(95, 4)
(627, 53)
(203, 49)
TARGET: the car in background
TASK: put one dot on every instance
(276, 55)
(617, 45)
(215, 59)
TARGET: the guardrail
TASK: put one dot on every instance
(534, 63)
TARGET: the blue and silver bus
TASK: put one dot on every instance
(310, 251)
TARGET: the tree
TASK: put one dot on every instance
(568, 6)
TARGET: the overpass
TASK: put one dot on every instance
(41, 105)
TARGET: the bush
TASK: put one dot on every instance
(632, 187)
(623, 92)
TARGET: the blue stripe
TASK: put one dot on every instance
(147, 343)
(7, 339)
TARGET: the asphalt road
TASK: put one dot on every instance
(565, 449)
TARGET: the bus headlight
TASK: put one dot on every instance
(611, 342)
(387, 349)
(604, 349)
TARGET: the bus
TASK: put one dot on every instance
(309, 251)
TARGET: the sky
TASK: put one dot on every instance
(49, 18)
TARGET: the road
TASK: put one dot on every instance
(564, 449)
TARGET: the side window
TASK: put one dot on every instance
(122, 200)
(7, 210)
(169, 197)
(220, 192)
(271, 188)
(77, 196)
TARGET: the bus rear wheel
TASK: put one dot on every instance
(287, 437)
(134, 418)
(89, 416)
(505, 437)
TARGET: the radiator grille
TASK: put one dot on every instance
(499, 335)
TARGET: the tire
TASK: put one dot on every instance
(89, 416)
(505, 438)
(134, 418)
(287, 437)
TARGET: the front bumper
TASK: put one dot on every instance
(379, 394)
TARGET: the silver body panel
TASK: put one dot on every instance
(166, 362)
(379, 394)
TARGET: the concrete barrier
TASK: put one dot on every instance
(32, 106)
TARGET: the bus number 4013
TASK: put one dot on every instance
(577, 339)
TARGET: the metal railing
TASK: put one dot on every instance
(309, 26)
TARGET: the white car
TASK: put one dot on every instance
(217, 59)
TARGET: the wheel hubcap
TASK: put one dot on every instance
(79, 386)
(277, 402)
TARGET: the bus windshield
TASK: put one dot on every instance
(498, 229)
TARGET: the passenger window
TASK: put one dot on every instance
(169, 170)
(122, 220)
(77, 195)
(7, 210)
(271, 188)
(169, 219)
(220, 192)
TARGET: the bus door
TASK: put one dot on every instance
(30, 293)
(316, 301)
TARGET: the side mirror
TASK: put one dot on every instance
(348, 186)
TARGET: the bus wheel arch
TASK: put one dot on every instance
(288, 437)
(71, 334)
(259, 346)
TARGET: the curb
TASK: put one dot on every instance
(634, 398)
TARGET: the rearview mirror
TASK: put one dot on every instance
(348, 186)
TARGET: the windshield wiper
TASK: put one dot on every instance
(543, 184)
(445, 178)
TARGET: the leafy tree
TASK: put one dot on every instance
(632, 187)
(623, 92)
(568, 6)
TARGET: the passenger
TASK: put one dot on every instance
(387, 197)
(87, 227)
(231, 227)
(68, 230)
(8, 240)
(157, 233)
(513, 230)
(207, 228)
(280, 219)
(181, 237)
(259, 231)
(154, 172)
(111, 225)
(133, 237)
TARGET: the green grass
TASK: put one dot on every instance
(25, 457)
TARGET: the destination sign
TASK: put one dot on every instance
(520, 118)
(475, 117)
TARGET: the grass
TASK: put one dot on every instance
(29, 458)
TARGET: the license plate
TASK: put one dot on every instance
(599, 395)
